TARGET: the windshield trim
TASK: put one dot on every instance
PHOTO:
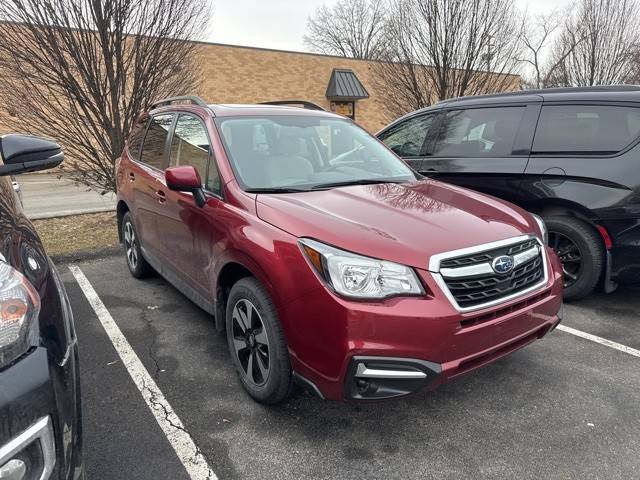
(238, 178)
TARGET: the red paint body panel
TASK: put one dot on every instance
(404, 223)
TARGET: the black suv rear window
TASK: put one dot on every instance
(593, 129)
(479, 132)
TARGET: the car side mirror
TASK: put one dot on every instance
(25, 153)
(186, 179)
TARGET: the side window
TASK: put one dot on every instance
(479, 132)
(406, 138)
(586, 129)
(134, 143)
(155, 141)
(190, 146)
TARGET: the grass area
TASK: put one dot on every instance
(78, 233)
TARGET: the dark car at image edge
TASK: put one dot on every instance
(571, 155)
(324, 257)
(40, 413)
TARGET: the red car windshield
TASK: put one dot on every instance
(306, 152)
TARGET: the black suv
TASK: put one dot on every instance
(570, 155)
(40, 421)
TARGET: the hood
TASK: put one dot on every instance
(403, 223)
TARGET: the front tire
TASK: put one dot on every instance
(138, 266)
(256, 342)
(581, 252)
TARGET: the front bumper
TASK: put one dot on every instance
(410, 343)
(31, 437)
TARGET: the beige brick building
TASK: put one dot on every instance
(236, 74)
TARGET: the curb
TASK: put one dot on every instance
(85, 255)
(70, 213)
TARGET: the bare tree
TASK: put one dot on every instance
(605, 34)
(438, 49)
(545, 59)
(351, 28)
(81, 71)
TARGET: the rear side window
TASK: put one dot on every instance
(155, 141)
(134, 144)
(479, 132)
(594, 129)
(406, 138)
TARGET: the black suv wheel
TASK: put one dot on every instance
(581, 252)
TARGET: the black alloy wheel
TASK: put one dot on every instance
(251, 342)
(570, 256)
(581, 252)
(257, 343)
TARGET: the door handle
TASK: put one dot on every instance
(161, 196)
(432, 170)
(132, 176)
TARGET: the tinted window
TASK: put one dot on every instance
(406, 138)
(137, 134)
(479, 132)
(586, 128)
(190, 146)
(155, 141)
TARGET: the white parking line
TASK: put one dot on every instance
(182, 443)
(600, 340)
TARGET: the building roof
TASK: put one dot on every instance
(344, 85)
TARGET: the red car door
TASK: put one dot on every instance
(189, 232)
(146, 178)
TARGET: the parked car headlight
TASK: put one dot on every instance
(19, 310)
(543, 228)
(355, 276)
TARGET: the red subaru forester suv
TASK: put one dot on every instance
(328, 261)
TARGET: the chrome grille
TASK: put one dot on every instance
(471, 281)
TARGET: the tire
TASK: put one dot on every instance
(138, 266)
(588, 245)
(260, 344)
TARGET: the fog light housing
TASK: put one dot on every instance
(30, 455)
(14, 469)
(375, 378)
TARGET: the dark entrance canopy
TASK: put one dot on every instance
(345, 86)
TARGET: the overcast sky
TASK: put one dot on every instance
(281, 24)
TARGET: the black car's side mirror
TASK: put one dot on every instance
(25, 153)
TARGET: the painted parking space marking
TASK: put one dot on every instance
(600, 340)
(187, 451)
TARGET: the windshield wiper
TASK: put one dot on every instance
(276, 190)
(363, 181)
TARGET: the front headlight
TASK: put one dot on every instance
(19, 310)
(543, 228)
(360, 277)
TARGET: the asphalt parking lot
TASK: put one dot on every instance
(562, 408)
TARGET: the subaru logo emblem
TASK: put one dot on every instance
(503, 264)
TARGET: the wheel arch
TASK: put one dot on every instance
(561, 207)
(232, 268)
(121, 209)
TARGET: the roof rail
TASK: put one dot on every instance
(303, 103)
(195, 100)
